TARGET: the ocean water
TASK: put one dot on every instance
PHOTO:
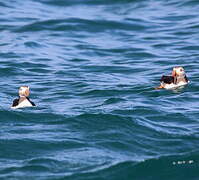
(92, 66)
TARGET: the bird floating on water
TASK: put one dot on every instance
(23, 100)
(177, 79)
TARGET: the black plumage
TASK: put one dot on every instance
(186, 79)
(33, 104)
(167, 79)
(15, 102)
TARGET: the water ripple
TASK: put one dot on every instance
(92, 67)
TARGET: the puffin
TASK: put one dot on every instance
(177, 79)
(23, 100)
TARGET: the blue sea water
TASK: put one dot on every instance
(92, 66)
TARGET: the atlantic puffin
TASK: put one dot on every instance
(23, 100)
(178, 78)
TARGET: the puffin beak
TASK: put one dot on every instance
(174, 72)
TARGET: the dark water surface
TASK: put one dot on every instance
(92, 66)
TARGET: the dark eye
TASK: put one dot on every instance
(181, 70)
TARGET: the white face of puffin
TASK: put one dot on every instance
(178, 71)
(24, 91)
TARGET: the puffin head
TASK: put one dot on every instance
(24, 91)
(178, 71)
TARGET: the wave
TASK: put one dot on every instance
(87, 2)
(77, 24)
(183, 166)
(167, 167)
